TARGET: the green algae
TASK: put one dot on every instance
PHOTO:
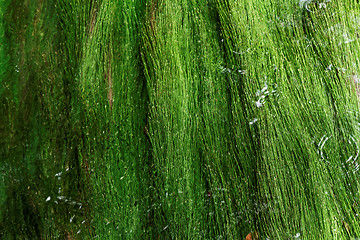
(179, 119)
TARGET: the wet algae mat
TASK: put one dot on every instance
(181, 119)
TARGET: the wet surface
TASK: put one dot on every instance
(179, 119)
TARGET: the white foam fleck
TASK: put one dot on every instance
(253, 121)
(259, 103)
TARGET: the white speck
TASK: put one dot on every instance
(58, 174)
(265, 88)
(343, 70)
(297, 235)
(258, 103)
(305, 3)
(78, 231)
(356, 78)
(225, 70)
(322, 5)
(253, 121)
(48, 199)
(180, 191)
(72, 218)
(348, 41)
(166, 227)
